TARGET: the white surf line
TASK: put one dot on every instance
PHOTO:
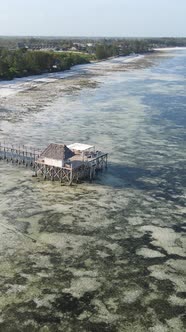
(176, 48)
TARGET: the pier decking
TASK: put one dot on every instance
(66, 164)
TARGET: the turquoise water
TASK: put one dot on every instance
(107, 256)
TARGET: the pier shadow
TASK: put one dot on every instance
(165, 182)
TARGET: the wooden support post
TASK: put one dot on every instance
(70, 177)
(36, 167)
(94, 171)
(45, 172)
(4, 156)
(91, 173)
(52, 173)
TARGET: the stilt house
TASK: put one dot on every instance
(56, 155)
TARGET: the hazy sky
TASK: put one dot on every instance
(93, 17)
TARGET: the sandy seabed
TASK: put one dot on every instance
(107, 256)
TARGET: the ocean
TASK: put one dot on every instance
(106, 256)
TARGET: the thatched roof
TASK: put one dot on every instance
(57, 151)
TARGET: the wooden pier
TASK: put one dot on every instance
(19, 154)
(57, 161)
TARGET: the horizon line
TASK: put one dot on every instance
(71, 36)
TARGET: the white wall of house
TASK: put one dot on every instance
(54, 162)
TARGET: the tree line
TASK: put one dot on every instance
(86, 44)
(20, 63)
(109, 48)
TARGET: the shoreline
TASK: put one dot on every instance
(54, 73)
(9, 88)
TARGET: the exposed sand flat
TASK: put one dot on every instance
(149, 253)
(8, 88)
(167, 239)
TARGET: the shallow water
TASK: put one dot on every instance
(107, 256)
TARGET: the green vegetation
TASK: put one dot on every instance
(19, 63)
(109, 48)
(28, 56)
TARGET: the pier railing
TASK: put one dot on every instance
(19, 154)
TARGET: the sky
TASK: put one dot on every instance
(106, 18)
